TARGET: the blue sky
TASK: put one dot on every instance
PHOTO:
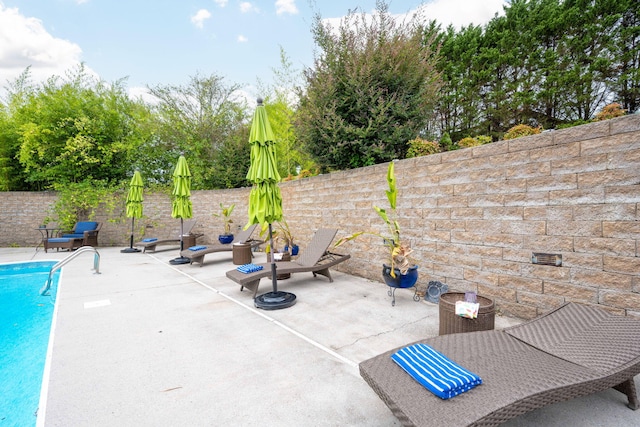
(162, 42)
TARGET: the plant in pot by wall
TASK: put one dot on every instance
(286, 236)
(225, 214)
(399, 271)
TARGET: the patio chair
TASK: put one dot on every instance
(150, 243)
(572, 351)
(315, 259)
(85, 231)
(244, 236)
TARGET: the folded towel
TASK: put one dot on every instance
(467, 309)
(197, 248)
(151, 239)
(438, 374)
(249, 268)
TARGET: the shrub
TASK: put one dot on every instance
(468, 142)
(521, 130)
(421, 147)
(484, 139)
(446, 143)
(609, 112)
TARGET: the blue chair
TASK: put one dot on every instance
(85, 230)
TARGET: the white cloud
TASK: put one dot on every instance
(461, 13)
(458, 13)
(200, 16)
(246, 7)
(221, 3)
(24, 42)
(242, 39)
(286, 6)
(143, 94)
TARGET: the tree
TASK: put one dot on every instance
(280, 102)
(460, 106)
(202, 120)
(626, 83)
(372, 89)
(67, 130)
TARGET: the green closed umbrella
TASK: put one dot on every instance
(181, 206)
(265, 201)
(134, 206)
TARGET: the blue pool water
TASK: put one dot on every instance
(25, 326)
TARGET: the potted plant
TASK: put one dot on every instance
(286, 236)
(225, 213)
(400, 272)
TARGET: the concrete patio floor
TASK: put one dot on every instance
(146, 343)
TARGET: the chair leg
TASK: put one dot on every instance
(325, 272)
(252, 286)
(629, 388)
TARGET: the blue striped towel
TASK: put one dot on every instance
(434, 371)
(197, 248)
(151, 239)
(249, 268)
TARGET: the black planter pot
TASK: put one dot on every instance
(402, 281)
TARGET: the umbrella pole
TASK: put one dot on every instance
(181, 259)
(133, 220)
(274, 275)
(131, 249)
(181, 235)
(274, 300)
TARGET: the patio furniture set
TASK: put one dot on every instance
(571, 351)
(84, 233)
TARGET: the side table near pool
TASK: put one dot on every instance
(450, 323)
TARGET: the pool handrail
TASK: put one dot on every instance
(60, 264)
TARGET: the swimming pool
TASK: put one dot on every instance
(26, 320)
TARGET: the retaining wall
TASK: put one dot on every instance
(474, 217)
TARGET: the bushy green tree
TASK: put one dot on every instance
(372, 89)
(67, 130)
(202, 120)
(280, 101)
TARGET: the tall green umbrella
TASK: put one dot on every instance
(134, 206)
(265, 201)
(181, 206)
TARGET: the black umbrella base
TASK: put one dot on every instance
(275, 300)
(130, 250)
(180, 260)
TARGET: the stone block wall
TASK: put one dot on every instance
(474, 217)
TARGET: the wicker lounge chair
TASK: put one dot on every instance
(574, 350)
(243, 236)
(151, 243)
(315, 259)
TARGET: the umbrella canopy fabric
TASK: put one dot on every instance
(265, 200)
(134, 197)
(181, 206)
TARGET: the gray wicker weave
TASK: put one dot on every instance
(572, 351)
(315, 259)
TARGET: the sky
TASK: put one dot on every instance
(166, 42)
